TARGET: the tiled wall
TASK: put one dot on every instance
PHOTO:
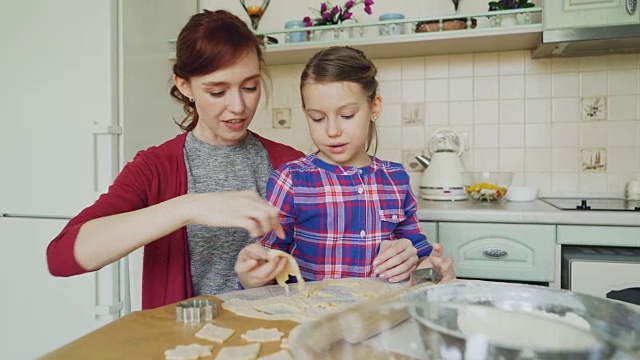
(566, 125)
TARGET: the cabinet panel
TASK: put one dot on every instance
(599, 235)
(500, 251)
(558, 14)
(431, 230)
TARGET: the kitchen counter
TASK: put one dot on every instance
(535, 212)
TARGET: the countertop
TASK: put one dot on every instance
(535, 212)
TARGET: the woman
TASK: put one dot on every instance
(196, 200)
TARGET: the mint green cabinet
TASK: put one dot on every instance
(431, 230)
(561, 14)
(518, 252)
(628, 236)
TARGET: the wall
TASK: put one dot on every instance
(515, 114)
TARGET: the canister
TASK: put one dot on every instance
(296, 36)
(391, 29)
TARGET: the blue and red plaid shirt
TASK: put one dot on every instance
(335, 217)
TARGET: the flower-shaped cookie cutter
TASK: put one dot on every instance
(195, 311)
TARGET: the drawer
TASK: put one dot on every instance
(599, 235)
(517, 252)
(431, 230)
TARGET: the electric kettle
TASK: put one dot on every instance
(442, 179)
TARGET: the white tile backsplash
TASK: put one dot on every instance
(518, 114)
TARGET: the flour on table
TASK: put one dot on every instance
(537, 329)
(316, 300)
(214, 333)
(188, 352)
(262, 335)
(284, 344)
(280, 355)
(242, 352)
(291, 269)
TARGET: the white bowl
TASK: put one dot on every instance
(522, 193)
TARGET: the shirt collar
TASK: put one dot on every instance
(346, 170)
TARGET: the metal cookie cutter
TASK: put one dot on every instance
(194, 311)
(420, 276)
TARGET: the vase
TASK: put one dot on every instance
(507, 20)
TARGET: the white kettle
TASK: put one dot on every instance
(442, 179)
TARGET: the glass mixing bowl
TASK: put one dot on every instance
(477, 320)
(486, 186)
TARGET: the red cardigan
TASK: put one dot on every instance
(155, 175)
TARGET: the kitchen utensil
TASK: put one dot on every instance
(420, 276)
(486, 186)
(514, 321)
(195, 311)
(441, 180)
(522, 193)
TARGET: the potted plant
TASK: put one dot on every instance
(509, 5)
(506, 20)
(329, 14)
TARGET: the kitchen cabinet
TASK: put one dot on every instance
(515, 252)
(628, 236)
(431, 230)
(561, 14)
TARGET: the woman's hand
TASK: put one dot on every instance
(240, 209)
(441, 264)
(396, 260)
(255, 268)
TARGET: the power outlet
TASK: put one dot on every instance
(281, 118)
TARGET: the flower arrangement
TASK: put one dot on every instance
(509, 5)
(332, 15)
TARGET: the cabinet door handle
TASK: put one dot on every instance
(632, 5)
(494, 253)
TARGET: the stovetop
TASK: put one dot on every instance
(598, 204)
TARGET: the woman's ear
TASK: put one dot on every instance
(376, 107)
(183, 85)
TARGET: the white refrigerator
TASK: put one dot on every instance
(84, 86)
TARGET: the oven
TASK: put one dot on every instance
(607, 272)
(602, 271)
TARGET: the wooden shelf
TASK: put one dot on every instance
(522, 37)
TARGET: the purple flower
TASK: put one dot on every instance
(367, 9)
(349, 4)
(326, 15)
(336, 9)
(323, 7)
(307, 21)
(368, 3)
(347, 15)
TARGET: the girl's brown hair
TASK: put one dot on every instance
(210, 41)
(344, 63)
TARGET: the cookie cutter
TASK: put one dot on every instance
(420, 276)
(195, 311)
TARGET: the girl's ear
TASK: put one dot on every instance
(376, 107)
(183, 85)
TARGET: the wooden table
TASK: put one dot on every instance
(147, 334)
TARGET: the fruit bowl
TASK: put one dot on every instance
(486, 186)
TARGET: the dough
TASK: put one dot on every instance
(262, 335)
(214, 333)
(318, 299)
(537, 329)
(291, 269)
(188, 352)
(242, 352)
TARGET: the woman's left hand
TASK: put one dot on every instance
(396, 260)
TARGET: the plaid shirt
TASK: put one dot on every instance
(335, 217)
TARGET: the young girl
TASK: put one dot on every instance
(345, 213)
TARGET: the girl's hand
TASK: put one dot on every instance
(255, 268)
(236, 209)
(396, 260)
(441, 264)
